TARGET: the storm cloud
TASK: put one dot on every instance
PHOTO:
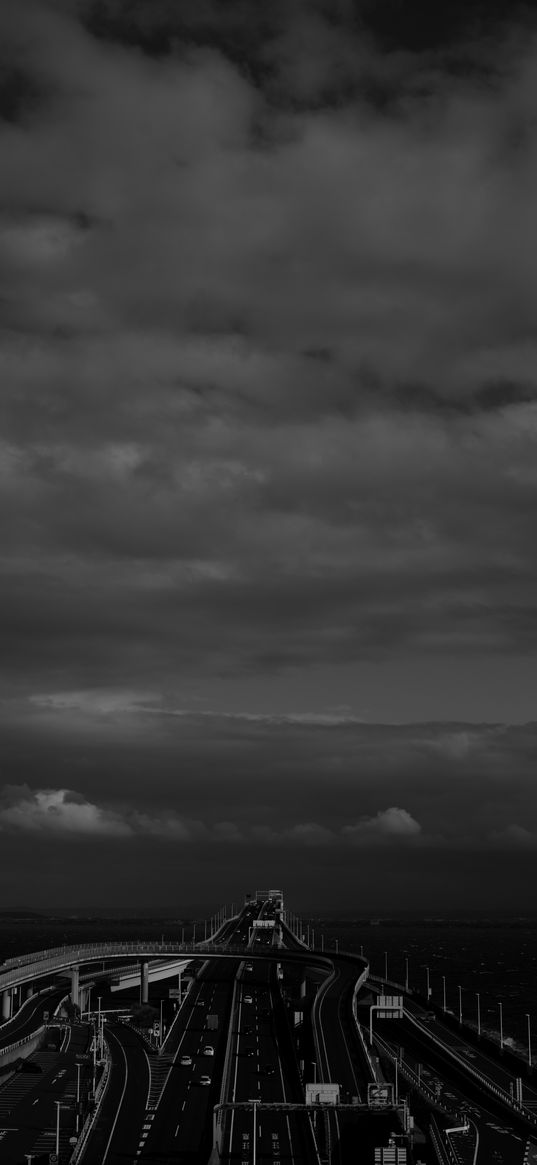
(268, 427)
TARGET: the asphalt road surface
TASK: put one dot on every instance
(29, 1017)
(28, 1112)
(501, 1138)
(264, 1068)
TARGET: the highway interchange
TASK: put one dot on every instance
(232, 1040)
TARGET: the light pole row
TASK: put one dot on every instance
(460, 990)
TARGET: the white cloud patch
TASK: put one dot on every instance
(515, 837)
(310, 833)
(65, 812)
(387, 824)
(60, 811)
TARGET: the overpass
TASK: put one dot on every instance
(43, 964)
(272, 1040)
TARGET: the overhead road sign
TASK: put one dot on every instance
(322, 1093)
(388, 1007)
(380, 1096)
(388, 1004)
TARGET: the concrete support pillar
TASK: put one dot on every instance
(303, 988)
(144, 982)
(75, 986)
(6, 1003)
(29, 991)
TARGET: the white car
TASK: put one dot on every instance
(249, 967)
(208, 1050)
(185, 1061)
(205, 1080)
(248, 999)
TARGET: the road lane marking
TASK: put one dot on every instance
(122, 1097)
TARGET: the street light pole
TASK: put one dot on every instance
(529, 1039)
(58, 1104)
(94, 1054)
(427, 973)
(501, 1026)
(406, 972)
(385, 964)
(460, 1003)
(478, 1013)
(254, 1154)
(77, 1096)
(444, 994)
(161, 1028)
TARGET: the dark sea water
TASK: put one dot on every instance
(495, 956)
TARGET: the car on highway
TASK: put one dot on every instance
(208, 1050)
(267, 1070)
(185, 1061)
(249, 1051)
(249, 967)
(248, 999)
(205, 1080)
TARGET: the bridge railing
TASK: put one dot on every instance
(444, 1152)
(66, 957)
(486, 1082)
(82, 1143)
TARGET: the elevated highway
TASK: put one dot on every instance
(259, 1049)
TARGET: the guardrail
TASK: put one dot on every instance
(219, 1118)
(485, 1081)
(414, 1079)
(18, 1043)
(100, 1092)
(8, 1048)
(443, 1152)
(68, 957)
(35, 956)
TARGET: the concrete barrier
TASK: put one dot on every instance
(22, 1048)
(443, 1152)
(500, 1093)
(100, 1092)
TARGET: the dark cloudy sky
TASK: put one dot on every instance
(268, 472)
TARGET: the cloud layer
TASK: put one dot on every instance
(270, 396)
(269, 420)
(57, 812)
